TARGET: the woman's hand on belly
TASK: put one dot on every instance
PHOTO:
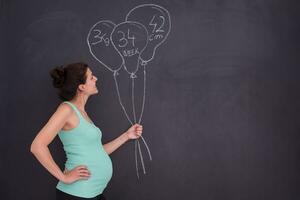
(78, 173)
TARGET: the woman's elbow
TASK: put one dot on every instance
(106, 150)
(34, 147)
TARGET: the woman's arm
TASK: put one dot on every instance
(133, 132)
(39, 146)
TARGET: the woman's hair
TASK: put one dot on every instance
(67, 79)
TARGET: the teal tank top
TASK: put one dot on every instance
(83, 146)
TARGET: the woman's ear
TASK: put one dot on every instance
(81, 87)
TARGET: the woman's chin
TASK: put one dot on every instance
(95, 92)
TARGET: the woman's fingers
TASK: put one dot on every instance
(81, 167)
(135, 131)
(83, 177)
(82, 171)
(79, 172)
(84, 174)
(138, 127)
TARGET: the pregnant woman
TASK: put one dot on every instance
(88, 168)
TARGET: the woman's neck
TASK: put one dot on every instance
(80, 102)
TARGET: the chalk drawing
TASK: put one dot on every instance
(130, 46)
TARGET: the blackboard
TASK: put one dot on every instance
(221, 115)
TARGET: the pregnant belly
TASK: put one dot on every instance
(100, 169)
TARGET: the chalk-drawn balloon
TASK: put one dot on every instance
(130, 39)
(100, 46)
(158, 23)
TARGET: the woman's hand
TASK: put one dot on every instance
(78, 173)
(135, 131)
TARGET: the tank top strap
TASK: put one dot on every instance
(74, 108)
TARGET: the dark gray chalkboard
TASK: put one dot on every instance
(222, 102)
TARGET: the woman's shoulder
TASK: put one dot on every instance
(64, 108)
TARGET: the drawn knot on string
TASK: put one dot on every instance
(132, 75)
(116, 73)
(143, 63)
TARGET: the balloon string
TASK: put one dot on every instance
(136, 161)
(141, 157)
(133, 76)
(132, 96)
(120, 101)
(144, 94)
(137, 144)
(148, 150)
(143, 105)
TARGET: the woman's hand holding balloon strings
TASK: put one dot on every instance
(135, 131)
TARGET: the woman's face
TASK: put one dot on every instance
(90, 84)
